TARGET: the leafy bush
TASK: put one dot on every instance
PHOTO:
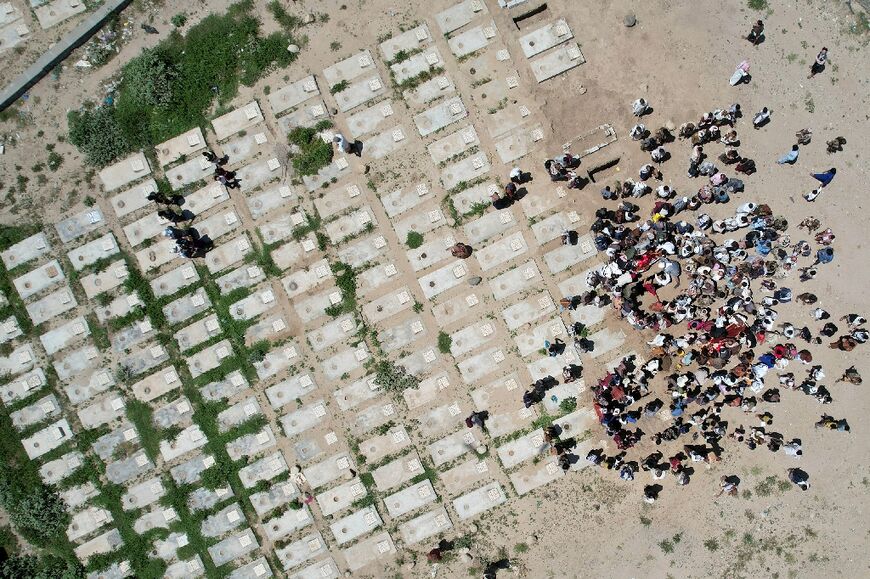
(179, 20)
(148, 79)
(393, 378)
(414, 239)
(49, 567)
(444, 342)
(97, 134)
(313, 154)
(568, 405)
(758, 4)
(283, 17)
(339, 86)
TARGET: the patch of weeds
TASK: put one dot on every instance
(414, 239)
(444, 342)
(711, 545)
(313, 154)
(568, 405)
(521, 548)
(645, 521)
(179, 20)
(791, 57)
(89, 201)
(666, 546)
(393, 378)
(335, 46)
(809, 104)
(282, 17)
(345, 279)
(757, 4)
(339, 86)
(418, 307)
(478, 208)
(55, 160)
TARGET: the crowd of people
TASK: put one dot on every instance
(708, 290)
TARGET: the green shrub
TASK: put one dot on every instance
(179, 20)
(339, 86)
(444, 342)
(758, 4)
(49, 567)
(283, 17)
(313, 154)
(97, 134)
(568, 405)
(414, 239)
(148, 79)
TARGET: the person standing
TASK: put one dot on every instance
(819, 65)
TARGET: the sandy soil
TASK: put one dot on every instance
(679, 56)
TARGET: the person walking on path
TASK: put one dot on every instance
(819, 65)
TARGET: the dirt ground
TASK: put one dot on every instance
(679, 56)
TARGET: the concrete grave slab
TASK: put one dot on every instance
(307, 417)
(98, 283)
(186, 441)
(398, 472)
(75, 497)
(298, 552)
(240, 119)
(80, 224)
(228, 254)
(203, 499)
(388, 305)
(193, 567)
(551, 228)
(219, 224)
(26, 250)
(244, 276)
(174, 280)
(350, 68)
(265, 202)
(421, 362)
(323, 569)
(86, 385)
(513, 281)
(379, 447)
(354, 223)
(157, 517)
(472, 40)
(341, 497)
(106, 543)
(587, 315)
(518, 144)
(374, 549)
(537, 475)
(232, 384)
(408, 41)
(9, 330)
(278, 230)
(184, 145)
(468, 169)
(125, 171)
(293, 94)
(250, 445)
(259, 173)
(157, 255)
(238, 414)
(528, 310)
(443, 279)
(223, 521)
(289, 390)
(304, 280)
(535, 205)
(401, 200)
(93, 251)
(365, 250)
(425, 526)
(426, 391)
(56, 11)
(86, 521)
(416, 64)
(167, 549)
(145, 358)
(430, 91)
(606, 340)
(472, 337)
(441, 115)
(349, 397)
(233, 547)
(190, 471)
(360, 92)
(335, 170)
(479, 501)
(381, 145)
(118, 307)
(76, 362)
(204, 199)
(256, 569)
(307, 115)
(39, 279)
(422, 221)
(459, 15)
(54, 471)
(328, 470)
(287, 523)
(453, 144)
(557, 61)
(502, 251)
(466, 475)
(466, 200)
(452, 447)
(532, 339)
(288, 254)
(133, 199)
(508, 119)
(62, 336)
(546, 37)
(156, 385)
(431, 252)
(355, 525)
(22, 387)
(267, 328)
(440, 419)
(489, 225)
(47, 439)
(43, 409)
(369, 119)
(402, 334)
(176, 413)
(277, 495)
(331, 333)
(209, 358)
(479, 365)
(337, 200)
(244, 147)
(551, 366)
(254, 305)
(18, 361)
(118, 570)
(566, 256)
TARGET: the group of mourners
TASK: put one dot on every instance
(718, 333)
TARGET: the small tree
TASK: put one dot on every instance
(96, 132)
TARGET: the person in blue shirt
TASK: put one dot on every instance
(826, 177)
(789, 157)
